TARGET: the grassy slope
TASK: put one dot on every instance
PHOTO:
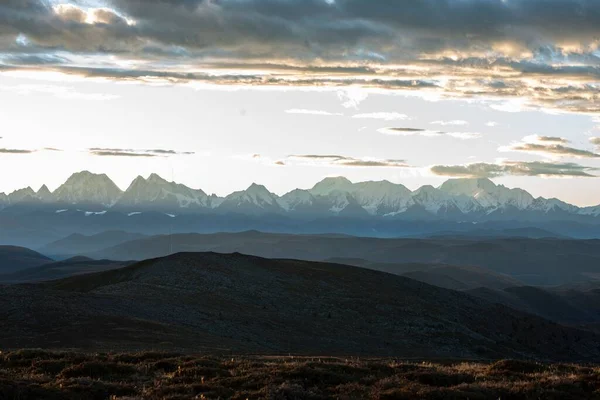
(34, 374)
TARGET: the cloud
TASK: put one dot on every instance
(514, 168)
(427, 133)
(16, 151)
(553, 139)
(107, 153)
(453, 122)
(352, 97)
(344, 161)
(62, 92)
(508, 52)
(112, 152)
(549, 146)
(385, 116)
(595, 141)
(51, 149)
(311, 112)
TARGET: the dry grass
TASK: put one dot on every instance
(38, 374)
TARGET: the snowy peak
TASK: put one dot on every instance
(255, 199)
(459, 199)
(383, 197)
(163, 195)
(554, 205)
(437, 201)
(593, 211)
(328, 185)
(487, 193)
(259, 191)
(468, 187)
(296, 200)
(430, 198)
(88, 188)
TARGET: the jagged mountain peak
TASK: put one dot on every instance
(27, 190)
(44, 194)
(257, 188)
(82, 176)
(43, 189)
(426, 189)
(471, 199)
(155, 178)
(256, 199)
(487, 193)
(156, 192)
(88, 188)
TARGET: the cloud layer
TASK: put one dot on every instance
(549, 146)
(543, 53)
(514, 168)
(344, 161)
(111, 152)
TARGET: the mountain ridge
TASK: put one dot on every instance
(465, 199)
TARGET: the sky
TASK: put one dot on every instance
(218, 94)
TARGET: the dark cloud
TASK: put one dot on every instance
(595, 141)
(51, 149)
(16, 151)
(344, 161)
(553, 149)
(515, 168)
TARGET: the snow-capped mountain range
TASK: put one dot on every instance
(456, 199)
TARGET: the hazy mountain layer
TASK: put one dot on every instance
(531, 261)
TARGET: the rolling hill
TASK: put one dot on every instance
(224, 303)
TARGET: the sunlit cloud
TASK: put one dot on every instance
(16, 151)
(516, 61)
(548, 146)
